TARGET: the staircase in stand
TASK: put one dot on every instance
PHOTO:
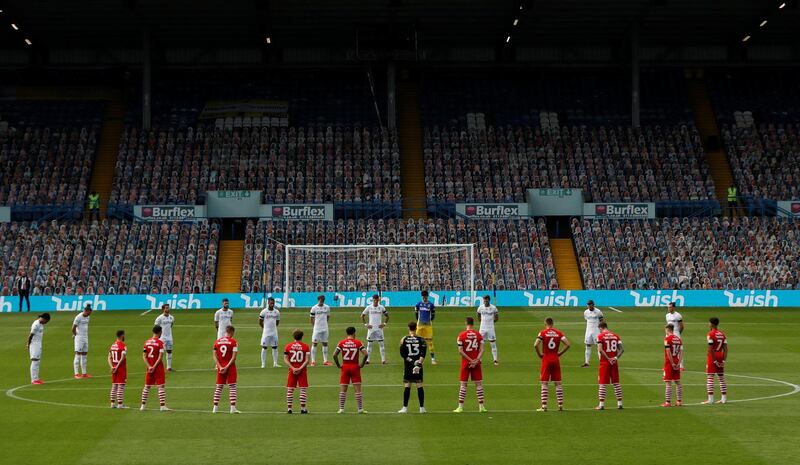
(412, 165)
(706, 122)
(568, 272)
(229, 266)
(106, 154)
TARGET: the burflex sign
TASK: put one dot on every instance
(620, 210)
(492, 210)
(165, 212)
(299, 212)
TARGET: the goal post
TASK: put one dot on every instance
(379, 268)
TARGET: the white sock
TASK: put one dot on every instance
(324, 353)
(263, 356)
(383, 351)
(76, 364)
(169, 360)
(34, 370)
(83, 363)
(275, 355)
(494, 350)
(587, 354)
(602, 403)
(682, 363)
(724, 397)
(711, 398)
(369, 350)
(313, 354)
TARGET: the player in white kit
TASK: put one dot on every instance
(378, 319)
(34, 346)
(593, 317)
(80, 333)
(676, 320)
(223, 318)
(269, 319)
(488, 315)
(166, 320)
(320, 314)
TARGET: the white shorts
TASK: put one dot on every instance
(590, 338)
(220, 332)
(269, 340)
(167, 344)
(36, 351)
(488, 334)
(374, 335)
(81, 345)
(319, 336)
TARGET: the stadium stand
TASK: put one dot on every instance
(46, 153)
(314, 98)
(689, 253)
(610, 164)
(353, 166)
(521, 98)
(519, 249)
(762, 96)
(110, 257)
(765, 160)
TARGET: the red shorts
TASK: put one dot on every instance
(156, 378)
(608, 374)
(350, 374)
(671, 374)
(300, 380)
(229, 377)
(714, 369)
(120, 377)
(551, 370)
(474, 373)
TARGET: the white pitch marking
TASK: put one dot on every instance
(616, 310)
(795, 389)
(324, 386)
(145, 312)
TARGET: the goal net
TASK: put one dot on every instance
(379, 268)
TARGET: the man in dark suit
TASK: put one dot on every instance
(23, 286)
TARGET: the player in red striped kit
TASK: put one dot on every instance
(550, 339)
(117, 360)
(153, 358)
(715, 362)
(296, 356)
(350, 349)
(225, 351)
(470, 346)
(610, 348)
(673, 356)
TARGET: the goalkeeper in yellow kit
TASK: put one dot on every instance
(426, 312)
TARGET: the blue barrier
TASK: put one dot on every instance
(633, 298)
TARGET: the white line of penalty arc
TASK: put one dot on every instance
(12, 393)
(329, 386)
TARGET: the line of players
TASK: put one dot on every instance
(414, 347)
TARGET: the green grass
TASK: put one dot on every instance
(763, 345)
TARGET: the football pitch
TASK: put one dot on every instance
(68, 421)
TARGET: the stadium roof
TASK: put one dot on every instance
(440, 23)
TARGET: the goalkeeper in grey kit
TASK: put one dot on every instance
(413, 350)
